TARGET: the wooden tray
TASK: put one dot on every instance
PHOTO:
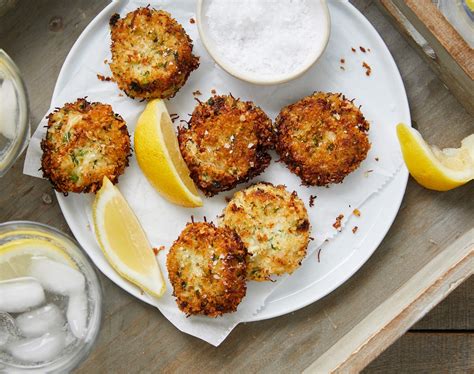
(441, 46)
(427, 253)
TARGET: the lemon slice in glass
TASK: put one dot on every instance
(124, 242)
(16, 256)
(434, 168)
(159, 157)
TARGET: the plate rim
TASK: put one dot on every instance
(401, 176)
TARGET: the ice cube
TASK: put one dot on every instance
(8, 108)
(77, 314)
(40, 321)
(44, 348)
(19, 294)
(56, 277)
(4, 337)
(70, 338)
(8, 329)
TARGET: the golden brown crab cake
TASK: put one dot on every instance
(226, 143)
(84, 142)
(151, 54)
(322, 138)
(273, 224)
(207, 267)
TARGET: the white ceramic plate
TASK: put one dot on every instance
(343, 256)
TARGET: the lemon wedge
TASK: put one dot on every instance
(434, 168)
(16, 256)
(158, 155)
(124, 242)
(470, 5)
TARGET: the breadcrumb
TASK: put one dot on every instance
(368, 69)
(338, 223)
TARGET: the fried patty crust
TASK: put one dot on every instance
(322, 138)
(84, 142)
(274, 226)
(226, 143)
(207, 267)
(151, 54)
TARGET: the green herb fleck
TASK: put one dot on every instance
(67, 137)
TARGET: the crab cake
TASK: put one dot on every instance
(206, 267)
(84, 142)
(226, 143)
(151, 54)
(322, 138)
(274, 227)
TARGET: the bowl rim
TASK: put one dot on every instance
(250, 77)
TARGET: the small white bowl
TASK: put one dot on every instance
(252, 78)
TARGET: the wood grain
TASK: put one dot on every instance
(388, 321)
(456, 312)
(135, 337)
(446, 35)
(442, 48)
(417, 353)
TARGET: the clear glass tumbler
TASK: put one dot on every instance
(24, 245)
(14, 113)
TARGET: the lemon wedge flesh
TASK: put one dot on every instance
(124, 242)
(16, 256)
(158, 155)
(434, 168)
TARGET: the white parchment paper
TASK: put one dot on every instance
(163, 221)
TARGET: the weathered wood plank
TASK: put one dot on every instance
(456, 312)
(38, 36)
(388, 321)
(441, 32)
(427, 353)
(441, 46)
(453, 313)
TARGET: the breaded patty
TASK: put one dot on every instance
(84, 142)
(274, 227)
(226, 143)
(322, 138)
(151, 54)
(206, 267)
